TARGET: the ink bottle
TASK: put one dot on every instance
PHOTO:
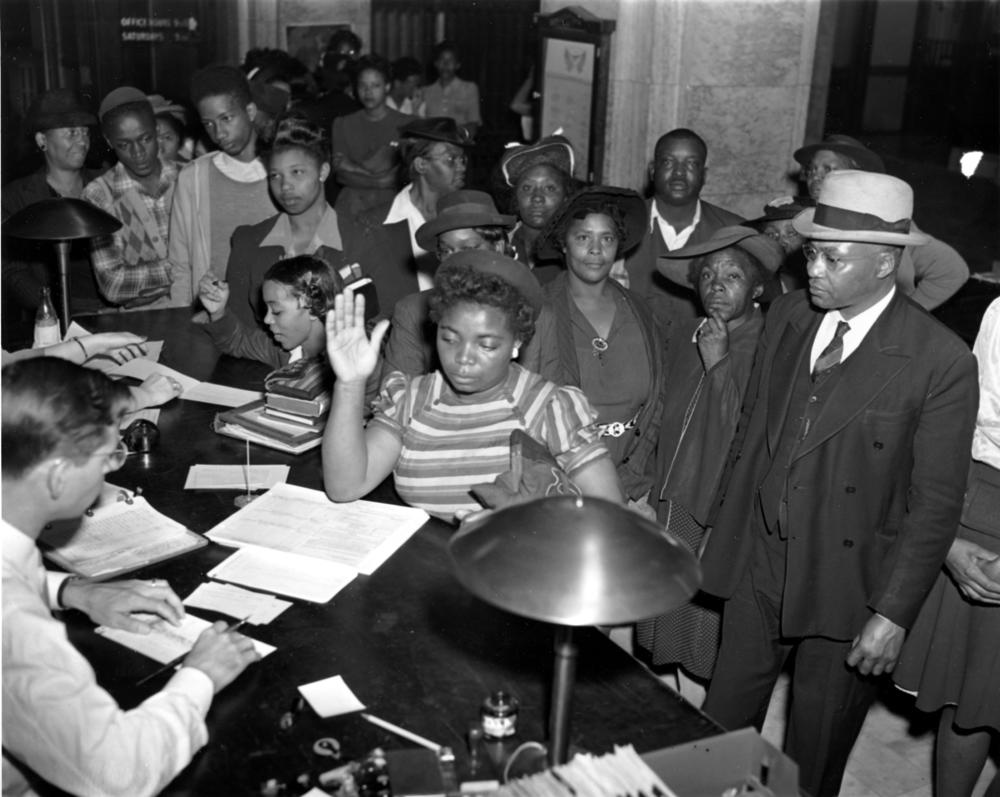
(499, 715)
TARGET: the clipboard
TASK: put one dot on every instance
(120, 535)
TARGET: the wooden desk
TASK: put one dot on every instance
(413, 644)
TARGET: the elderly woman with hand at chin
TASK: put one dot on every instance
(445, 433)
(607, 341)
(709, 361)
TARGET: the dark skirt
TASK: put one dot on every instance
(689, 635)
(952, 653)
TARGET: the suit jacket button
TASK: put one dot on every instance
(850, 489)
(878, 444)
(848, 543)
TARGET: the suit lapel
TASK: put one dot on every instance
(864, 375)
(791, 354)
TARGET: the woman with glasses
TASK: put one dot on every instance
(434, 155)
(365, 156)
(59, 124)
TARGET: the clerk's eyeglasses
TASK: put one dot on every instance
(114, 459)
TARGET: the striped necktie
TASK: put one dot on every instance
(830, 356)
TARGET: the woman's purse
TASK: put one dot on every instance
(534, 473)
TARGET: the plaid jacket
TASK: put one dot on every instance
(134, 259)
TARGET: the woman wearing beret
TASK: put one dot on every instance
(708, 361)
(607, 341)
(445, 433)
(60, 124)
(541, 178)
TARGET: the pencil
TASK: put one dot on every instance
(176, 662)
(402, 732)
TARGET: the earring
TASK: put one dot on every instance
(514, 353)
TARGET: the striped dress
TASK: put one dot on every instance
(452, 442)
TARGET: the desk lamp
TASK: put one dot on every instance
(573, 562)
(61, 220)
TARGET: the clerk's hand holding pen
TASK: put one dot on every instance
(222, 654)
(214, 294)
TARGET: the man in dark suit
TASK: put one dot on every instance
(846, 482)
(677, 217)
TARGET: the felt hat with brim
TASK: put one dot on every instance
(460, 210)
(161, 105)
(780, 208)
(123, 95)
(58, 108)
(842, 145)
(506, 268)
(675, 265)
(863, 207)
(436, 128)
(550, 151)
(595, 199)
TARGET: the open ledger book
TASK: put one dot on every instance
(300, 531)
(122, 533)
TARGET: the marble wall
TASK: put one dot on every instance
(738, 72)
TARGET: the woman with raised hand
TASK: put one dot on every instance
(444, 433)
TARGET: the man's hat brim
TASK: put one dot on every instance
(428, 232)
(806, 227)
(675, 265)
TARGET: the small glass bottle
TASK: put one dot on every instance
(46, 321)
(499, 715)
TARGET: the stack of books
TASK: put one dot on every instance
(291, 415)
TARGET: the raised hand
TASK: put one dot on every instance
(352, 355)
(213, 294)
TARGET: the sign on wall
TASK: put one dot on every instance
(160, 30)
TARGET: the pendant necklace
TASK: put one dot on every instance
(599, 345)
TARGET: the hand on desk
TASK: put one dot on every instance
(118, 346)
(213, 294)
(221, 654)
(155, 390)
(114, 603)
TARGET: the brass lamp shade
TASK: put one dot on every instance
(60, 219)
(574, 562)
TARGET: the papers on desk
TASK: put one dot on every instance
(191, 389)
(288, 574)
(235, 477)
(331, 696)
(296, 520)
(257, 608)
(119, 536)
(166, 642)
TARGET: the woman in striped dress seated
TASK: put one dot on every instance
(444, 433)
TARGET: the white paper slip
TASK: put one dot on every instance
(234, 477)
(312, 580)
(331, 696)
(257, 608)
(191, 389)
(360, 534)
(141, 369)
(166, 642)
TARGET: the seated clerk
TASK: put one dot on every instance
(298, 164)
(60, 439)
(465, 220)
(387, 247)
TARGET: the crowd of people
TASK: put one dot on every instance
(772, 391)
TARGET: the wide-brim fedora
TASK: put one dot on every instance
(511, 271)
(862, 207)
(460, 210)
(554, 151)
(866, 159)
(436, 128)
(58, 108)
(675, 265)
(594, 199)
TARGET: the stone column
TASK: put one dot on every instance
(738, 72)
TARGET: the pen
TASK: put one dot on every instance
(402, 732)
(175, 662)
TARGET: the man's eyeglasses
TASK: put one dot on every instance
(115, 458)
(813, 253)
